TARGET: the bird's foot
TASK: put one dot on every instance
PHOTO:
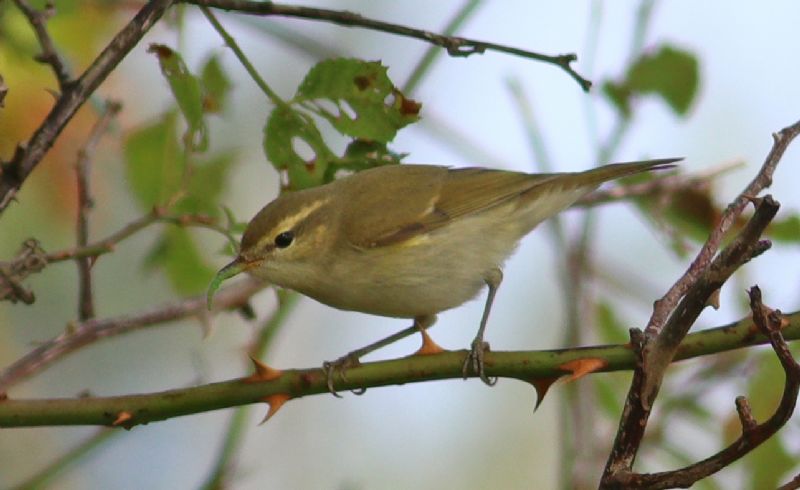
(331, 368)
(474, 363)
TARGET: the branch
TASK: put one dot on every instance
(85, 203)
(87, 332)
(659, 353)
(49, 55)
(769, 323)
(455, 46)
(28, 156)
(762, 180)
(32, 258)
(526, 366)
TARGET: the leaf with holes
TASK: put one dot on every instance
(154, 162)
(188, 94)
(285, 130)
(357, 98)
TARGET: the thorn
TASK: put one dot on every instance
(542, 385)
(581, 367)
(428, 346)
(262, 372)
(122, 418)
(713, 300)
(275, 403)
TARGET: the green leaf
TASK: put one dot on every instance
(177, 255)
(206, 183)
(786, 230)
(670, 73)
(188, 94)
(216, 85)
(610, 327)
(154, 162)
(619, 96)
(284, 128)
(367, 104)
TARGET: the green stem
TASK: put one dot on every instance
(131, 410)
(271, 94)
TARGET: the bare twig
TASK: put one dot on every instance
(762, 180)
(660, 352)
(30, 259)
(28, 156)
(769, 323)
(49, 55)
(84, 333)
(791, 485)
(82, 169)
(455, 46)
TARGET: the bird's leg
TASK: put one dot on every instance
(351, 359)
(474, 360)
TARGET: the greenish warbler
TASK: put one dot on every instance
(408, 241)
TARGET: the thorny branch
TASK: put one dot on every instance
(455, 46)
(769, 322)
(298, 383)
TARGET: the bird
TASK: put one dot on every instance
(408, 241)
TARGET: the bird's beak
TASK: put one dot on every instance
(238, 265)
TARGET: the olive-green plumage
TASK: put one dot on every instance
(408, 241)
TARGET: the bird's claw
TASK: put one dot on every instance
(340, 365)
(474, 363)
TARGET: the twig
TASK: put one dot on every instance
(769, 323)
(661, 351)
(424, 64)
(49, 55)
(28, 156)
(82, 169)
(299, 383)
(762, 180)
(83, 333)
(791, 485)
(455, 46)
(32, 258)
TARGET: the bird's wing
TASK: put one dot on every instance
(416, 199)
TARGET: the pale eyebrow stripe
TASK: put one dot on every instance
(289, 222)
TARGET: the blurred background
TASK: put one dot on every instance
(451, 434)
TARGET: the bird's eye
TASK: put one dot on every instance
(283, 240)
